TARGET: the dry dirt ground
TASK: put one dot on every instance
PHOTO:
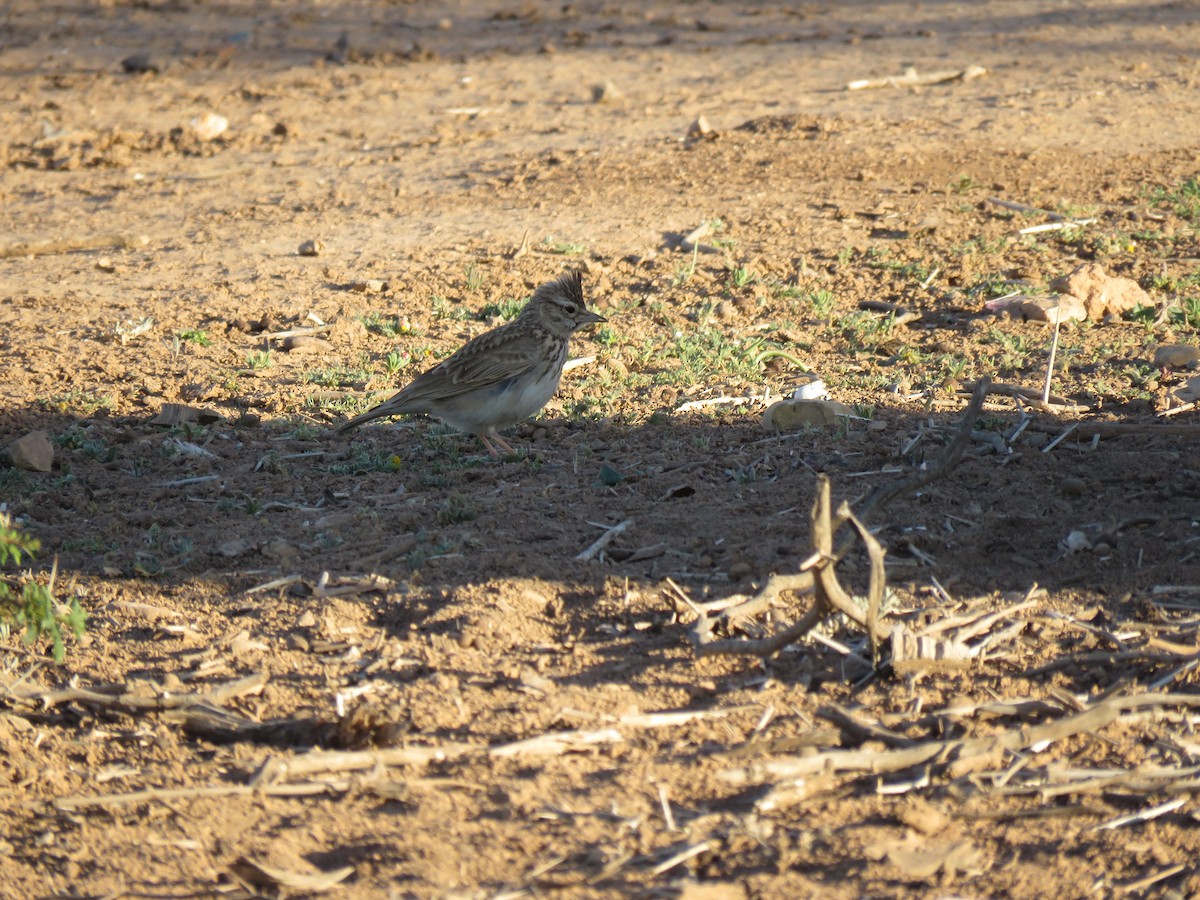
(398, 595)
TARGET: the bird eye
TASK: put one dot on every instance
(571, 309)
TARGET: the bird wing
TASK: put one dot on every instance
(488, 359)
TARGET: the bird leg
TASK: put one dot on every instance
(494, 442)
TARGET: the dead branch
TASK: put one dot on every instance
(943, 754)
(818, 572)
(320, 762)
(860, 729)
(73, 245)
(913, 78)
(1117, 429)
(553, 743)
(120, 698)
(1033, 398)
(165, 795)
(601, 542)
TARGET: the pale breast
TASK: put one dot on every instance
(502, 404)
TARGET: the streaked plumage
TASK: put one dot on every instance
(503, 376)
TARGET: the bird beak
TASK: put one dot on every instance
(592, 317)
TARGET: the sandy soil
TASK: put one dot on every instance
(397, 591)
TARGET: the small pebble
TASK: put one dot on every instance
(298, 642)
(606, 93)
(312, 248)
(233, 548)
(1176, 356)
(700, 128)
(1073, 487)
(139, 64)
(740, 570)
(33, 452)
(209, 126)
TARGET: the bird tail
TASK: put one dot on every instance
(376, 413)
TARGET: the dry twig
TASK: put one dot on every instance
(73, 245)
(818, 575)
(121, 698)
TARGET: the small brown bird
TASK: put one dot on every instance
(503, 376)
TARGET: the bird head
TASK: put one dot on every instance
(560, 304)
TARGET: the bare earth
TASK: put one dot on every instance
(426, 601)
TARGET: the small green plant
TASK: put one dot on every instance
(336, 376)
(782, 291)
(93, 545)
(259, 359)
(506, 309)
(605, 336)
(1183, 200)
(743, 474)
(711, 227)
(866, 331)
(416, 558)
(272, 462)
(1144, 314)
(684, 271)
(395, 361)
(964, 184)
(1187, 313)
(85, 402)
(455, 509)
(982, 246)
(1015, 349)
(822, 303)
(987, 287)
(362, 460)
(1141, 375)
(952, 367)
(1165, 283)
(76, 438)
(11, 481)
(1096, 244)
(565, 248)
(445, 309)
(147, 565)
(702, 355)
(302, 431)
(473, 277)
(196, 336)
(33, 610)
(388, 326)
(741, 276)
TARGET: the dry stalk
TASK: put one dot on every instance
(960, 756)
(120, 697)
(818, 575)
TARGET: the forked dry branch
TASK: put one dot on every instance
(818, 573)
